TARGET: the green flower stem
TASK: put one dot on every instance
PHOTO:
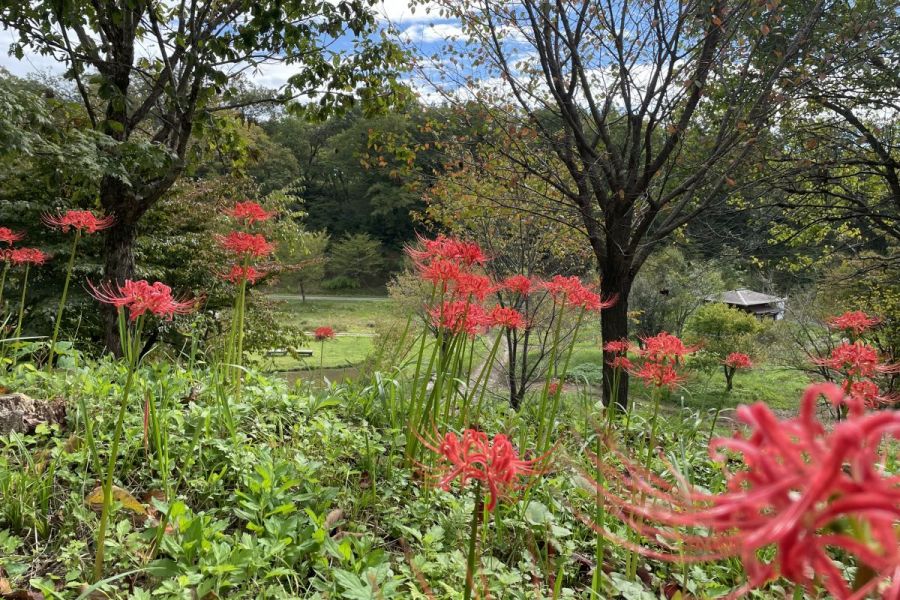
(89, 431)
(473, 542)
(3, 283)
(558, 394)
(413, 421)
(62, 300)
(715, 419)
(550, 373)
(483, 380)
(131, 349)
(22, 302)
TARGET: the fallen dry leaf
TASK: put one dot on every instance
(128, 502)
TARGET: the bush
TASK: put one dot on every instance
(341, 282)
(592, 373)
(355, 257)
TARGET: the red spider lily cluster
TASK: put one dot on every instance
(141, 297)
(661, 354)
(571, 291)
(249, 213)
(245, 246)
(19, 256)
(738, 360)
(858, 362)
(459, 316)
(518, 284)
(248, 273)
(323, 333)
(475, 457)
(553, 387)
(448, 264)
(26, 256)
(444, 248)
(804, 492)
(856, 322)
(9, 237)
(619, 349)
(503, 316)
(83, 221)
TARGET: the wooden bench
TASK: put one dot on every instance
(283, 352)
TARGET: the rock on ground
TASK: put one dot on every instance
(22, 414)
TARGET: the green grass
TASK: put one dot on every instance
(778, 387)
(345, 316)
(339, 352)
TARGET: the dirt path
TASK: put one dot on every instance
(299, 298)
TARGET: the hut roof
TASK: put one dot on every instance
(744, 297)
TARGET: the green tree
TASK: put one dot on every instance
(669, 289)
(364, 174)
(721, 330)
(475, 205)
(153, 75)
(645, 108)
(354, 260)
(307, 261)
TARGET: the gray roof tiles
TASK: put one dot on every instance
(744, 297)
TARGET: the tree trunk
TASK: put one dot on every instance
(729, 378)
(514, 399)
(118, 200)
(302, 292)
(614, 326)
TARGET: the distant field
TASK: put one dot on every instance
(778, 387)
(346, 316)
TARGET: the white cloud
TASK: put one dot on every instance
(432, 32)
(31, 64)
(401, 11)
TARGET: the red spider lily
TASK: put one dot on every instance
(857, 360)
(27, 256)
(553, 388)
(246, 244)
(83, 221)
(495, 463)
(864, 390)
(855, 321)
(805, 490)
(440, 271)
(240, 273)
(665, 346)
(617, 346)
(510, 318)
(738, 360)
(518, 284)
(573, 292)
(141, 297)
(249, 212)
(444, 248)
(10, 237)
(470, 285)
(323, 333)
(658, 374)
(621, 362)
(459, 316)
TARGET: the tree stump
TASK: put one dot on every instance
(22, 414)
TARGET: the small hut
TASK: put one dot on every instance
(763, 306)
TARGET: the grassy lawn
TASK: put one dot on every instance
(346, 317)
(778, 387)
